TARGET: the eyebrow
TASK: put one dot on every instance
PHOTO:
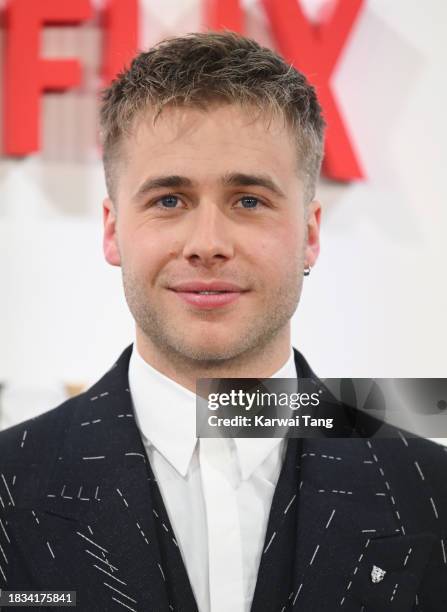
(231, 179)
(159, 182)
(239, 179)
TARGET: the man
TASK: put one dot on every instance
(212, 149)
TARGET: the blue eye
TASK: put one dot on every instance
(249, 202)
(169, 201)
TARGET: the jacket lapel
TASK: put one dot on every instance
(346, 525)
(100, 511)
(330, 523)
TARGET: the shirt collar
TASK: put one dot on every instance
(165, 413)
(252, 452)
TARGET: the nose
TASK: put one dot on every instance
(209, 237)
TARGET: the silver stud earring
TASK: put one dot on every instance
(307, 270)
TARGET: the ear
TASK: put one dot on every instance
(110, 239)
(313, 218)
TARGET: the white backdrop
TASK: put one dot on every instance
(375, 304)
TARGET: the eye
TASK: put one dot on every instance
(168, 201)
(250, 202)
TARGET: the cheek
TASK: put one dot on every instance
(292, 242)
(276, 264)
(148, 252)
(138, 250)
(280, 248)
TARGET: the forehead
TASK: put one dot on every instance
(206, 144)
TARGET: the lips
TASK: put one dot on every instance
(208, 295)
(197, 286)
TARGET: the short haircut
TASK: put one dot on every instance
(201, 69)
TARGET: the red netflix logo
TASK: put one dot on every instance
(312, 48)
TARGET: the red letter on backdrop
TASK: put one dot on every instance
(120, 36)
(314, 49)
(221, 14)
(26, 74)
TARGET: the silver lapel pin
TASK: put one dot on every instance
(377, 574)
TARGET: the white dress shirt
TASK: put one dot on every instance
(217, 491)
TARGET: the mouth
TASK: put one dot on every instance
(210, 295)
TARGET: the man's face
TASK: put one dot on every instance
(210, 201)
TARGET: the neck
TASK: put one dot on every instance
(260, 362)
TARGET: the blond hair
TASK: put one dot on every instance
(200, 69)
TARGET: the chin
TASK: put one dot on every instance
(209, 352)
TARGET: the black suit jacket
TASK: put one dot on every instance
(80, 510)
